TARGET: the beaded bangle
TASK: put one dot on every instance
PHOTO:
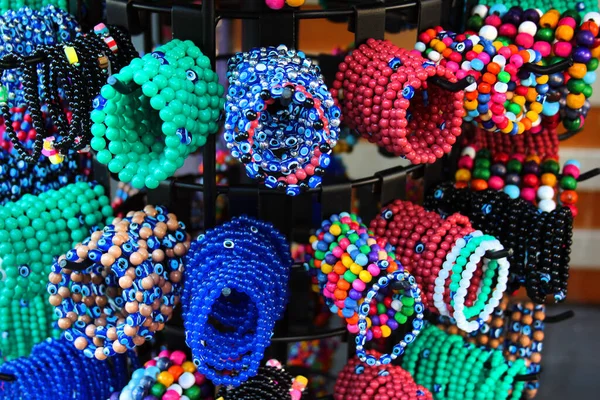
(409, 337)
(7, 5)
(33, 231)
(355, 382)
(220, 292)
(278, 4)
(176, 95)
(281, 120)
(385, 95)
(164, 377)
(129, 286)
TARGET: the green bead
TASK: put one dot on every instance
(592, 65)
(349, 276)
(573, 14)
(514, 166)
(504, 76)
(158, 390)
(475, 22)
(480, 173)
(514, 108)
(193, 393)
(568, 183)
(103, 156)
(545, 34)
(550, 166)
(400, 318)
(588, 90)
(576, 86)
(572, 124)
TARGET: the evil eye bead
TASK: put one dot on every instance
(24, 271)
(184, 135)
(395, 63)
(408, 92)
(486, 209)
(228, 244)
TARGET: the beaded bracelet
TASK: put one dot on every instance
(384, 94)
(6, 5)
(417, 323)
(56, 370)
(278, 4)
(176, 95)
(167, 376)
(281, 120)
(219, 292)
(129, 286)
(355, 382)
(33, 231)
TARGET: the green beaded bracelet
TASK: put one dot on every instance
(477, 374)
(156, 112)
(446, 360)
(33, 231)
(413, 353)
(426, 367)
(508, 384)
(497, 369)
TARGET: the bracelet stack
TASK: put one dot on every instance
(168, 376)
(174, 95)
(451, 369)
(229, 313)
(33, 231)
(355, 382)
(278, 4)
(281, 120)
(271, 382)
(127, 286)
(7, 5)
(384, 95)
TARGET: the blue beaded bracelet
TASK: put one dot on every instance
(363, 311)
(236, 289)
(281, 119)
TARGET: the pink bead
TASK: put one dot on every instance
(352, 328)
(339, 304)
(383, 319)
(301, 174)
(571, 170)
(562, 49)
(524, 40)
(373, 270)
(165, 353)
(544, 48)
(327, 293)
(291, 180)
(296, 394)
(447, 41)
(507, 30)
(568, 21)
(338, 251)
(495, 183)
(516, 60)
(465, 162)
(171, 395)
(505, 52)
(451, 65)
(331, 286)
(499, 98)
(274, 363)
(150, 363)
(275, 4)
(359, 285)
(460, 74)
(344, 243)
(528, 194)
(485, 57)
(200, 379)
(178, 357)
(519, 157)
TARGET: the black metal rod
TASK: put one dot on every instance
(548, 69)
(7, 377)
(75, 266)
(552, 319)
(569, 134)
(452, 86)
(495, 255)
(527, 377)
(589, 175)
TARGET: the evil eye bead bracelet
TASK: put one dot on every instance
(129, 284)
(155, 112)
(281, 121)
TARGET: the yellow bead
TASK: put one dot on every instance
(347, 260)
(365, 276)
(564, 32)
(71, 55)
(56, 158)
(531, 95)
(498, 45)
(478, 48)
(532, 116)
(463, 175)
(536, 107)
(294, 3)
(165, 378)
(533, 157)
(548, 179)
(575, 101)
(471, 104)
(385, 331)
(302, 380)
(335, 230)
(542, 79)
(486, 117)
(326, 268)
(520, 100)
(440, 46)
(355, 268)
(578, 70)
(596, 52)
(508, 127)
(382, 254)
(433, 42)
(371, 241)
(188, 366)
(312, 239)
(520, 128)
(369, 323)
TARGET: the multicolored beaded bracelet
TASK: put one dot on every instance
(355, 382)
(55, 370)
(219, 291)
(121, 284)
(385, 95)
(582, 7)
(281, 121)
(278, 4)
(166, 377)
(33, 231)
(412, 291)
(155, 112)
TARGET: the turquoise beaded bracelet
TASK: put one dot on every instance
(155, 112)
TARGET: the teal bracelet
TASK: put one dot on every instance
(156, 112)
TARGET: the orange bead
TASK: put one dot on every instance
(489, 78)
(353, 320)
(479, 184)
(176, 371)
(462, 175)
(575, 101)
(343, 284)
(471, 95)
(484, 88)
(564, 32)
(549, 19)
(525, 55)
(513, 48)
(531, 95)
(340, 294)
(446, 53)
(591, 26)
(339, 268)
(493, 68)
(569, 197)
(526, 123)
(461, 185)
(596, 52)
(548, 179)
(533, 157)
(578, 70)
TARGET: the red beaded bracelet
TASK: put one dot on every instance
(385, 96)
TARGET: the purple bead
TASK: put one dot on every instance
(531, 167)
(391, 313)
(150, 397)
(115, 396)
(512, 179)
(583, 38)
(373, 257)
(369, 335)
(512, 17)
(375, 320)
(392, 324)
(330, 259)
(498, 170)
(354, 295)
(582, 55)
(531, 15)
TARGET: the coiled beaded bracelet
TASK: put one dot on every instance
(33, 231)
(155, 112)
(128, 286)
(229, 314)
(56, 370)
(385, 95)
(281, 120)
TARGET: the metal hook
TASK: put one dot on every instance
(589, 175)
(569, 134)
(121, 87)
(548, 69)
(75, 266)
(497, 254)
(452, 86)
